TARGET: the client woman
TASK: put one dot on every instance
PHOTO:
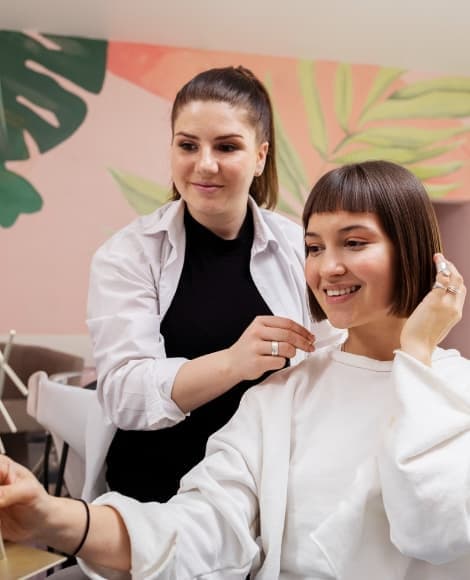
(354, 464)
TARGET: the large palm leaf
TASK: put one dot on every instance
(34, 100)
(379, 131)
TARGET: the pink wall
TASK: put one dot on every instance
(455, 228)
(45, 256)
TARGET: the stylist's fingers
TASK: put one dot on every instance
(283, 330)
(278, 348)
(265, 345)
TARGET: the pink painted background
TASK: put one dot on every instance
(46, 255)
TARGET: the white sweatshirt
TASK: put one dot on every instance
(340, 468)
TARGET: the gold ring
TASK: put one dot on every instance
(452, 290)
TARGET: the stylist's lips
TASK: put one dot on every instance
(206, 187)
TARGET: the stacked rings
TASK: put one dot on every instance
(274, 348)
(450, 289)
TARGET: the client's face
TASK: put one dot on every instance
(349, 268)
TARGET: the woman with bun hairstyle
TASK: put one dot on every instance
(194, 303)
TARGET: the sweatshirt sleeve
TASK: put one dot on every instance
(135, 378)
(208, 529)
(425, 461)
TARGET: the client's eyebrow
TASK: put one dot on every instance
(344, 230)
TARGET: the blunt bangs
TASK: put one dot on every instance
(341, 191)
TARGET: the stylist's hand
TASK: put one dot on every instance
(24, 503)
(252, 354)
(437, 314)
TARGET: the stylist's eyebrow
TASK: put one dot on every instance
(187, 135)
(219, 138)
(229, 136)
(344, 230)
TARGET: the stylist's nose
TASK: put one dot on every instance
(206, 162)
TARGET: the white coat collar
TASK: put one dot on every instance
(169, 218)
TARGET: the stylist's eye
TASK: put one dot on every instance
(227, 147)
(187, 146)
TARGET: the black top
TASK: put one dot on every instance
(215, 301)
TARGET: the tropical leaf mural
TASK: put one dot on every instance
(39, 76)
(143, 195)
(396, 121)
(350, 117)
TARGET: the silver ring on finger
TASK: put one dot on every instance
(274, 348)
(439, 286)
(443, 268)
(452, 289)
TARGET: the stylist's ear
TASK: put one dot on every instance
(262, 154)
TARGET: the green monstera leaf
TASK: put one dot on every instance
(35, 100)
(16, 192)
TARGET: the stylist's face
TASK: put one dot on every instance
(215, 155)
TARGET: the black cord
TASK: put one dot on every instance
(87, 527)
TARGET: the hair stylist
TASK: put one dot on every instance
(194, 303)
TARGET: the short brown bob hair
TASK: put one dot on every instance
(405, 212)
(238, 87)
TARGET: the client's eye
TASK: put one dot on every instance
(312, 249)
(355, 244)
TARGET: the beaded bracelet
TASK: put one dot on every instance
(87, 528)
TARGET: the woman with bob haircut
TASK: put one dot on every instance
(194, 303)
(353, 464)
(391, 193)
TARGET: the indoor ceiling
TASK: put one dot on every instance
(424, 35)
